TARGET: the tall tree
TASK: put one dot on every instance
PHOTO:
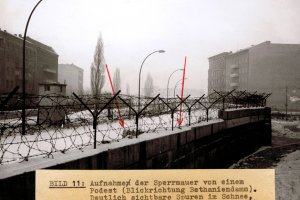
(97, 68)
(117, 80)
(148, 89)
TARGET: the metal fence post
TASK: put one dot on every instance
(96, 113)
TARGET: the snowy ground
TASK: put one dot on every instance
(288, 169)
(79, 134)
(288, 177)
(283, 156)
(290, 129)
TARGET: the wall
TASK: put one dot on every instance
(216, 144)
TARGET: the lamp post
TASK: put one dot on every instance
(139, 95)
(177, 84)
(24, 69)
(169, 80)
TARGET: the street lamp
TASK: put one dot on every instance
(24, 70)
(139, 97)
(177, 84)
(169, 80)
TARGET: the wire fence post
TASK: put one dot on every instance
(138, 113)
(148, 104)
(264, 99)
(224, 97)
(96, 113)
(207, 108)
(207, 112)
(173, 109)
(249, 98)
(236, 98)
(190, 107)
(135, 113)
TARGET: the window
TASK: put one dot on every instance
(47, 87)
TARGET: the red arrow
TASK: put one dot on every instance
(179, 120)
(113, 90)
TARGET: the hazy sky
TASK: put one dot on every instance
(131, 29)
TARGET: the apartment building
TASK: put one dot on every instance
(41, 63)
(265, 68)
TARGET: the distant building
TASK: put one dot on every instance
(41, 63)
(265, 68)
(72, 76)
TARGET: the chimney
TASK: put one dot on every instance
(20, 35)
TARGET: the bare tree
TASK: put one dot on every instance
(148, 89)
(117, 80)
(97, 68)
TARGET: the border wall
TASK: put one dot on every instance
(215, 144)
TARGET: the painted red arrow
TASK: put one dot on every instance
(113, 90)
(179, 120)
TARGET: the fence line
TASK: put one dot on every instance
(62, 123)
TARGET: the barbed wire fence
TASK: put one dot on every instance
(57, 123)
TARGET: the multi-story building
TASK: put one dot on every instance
(72, 76)
(265, 68)
(41, 63)
(216, 72)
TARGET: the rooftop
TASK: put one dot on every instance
(30, 41)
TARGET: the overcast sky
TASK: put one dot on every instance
(131, 29)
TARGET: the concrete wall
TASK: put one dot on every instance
(216, 144)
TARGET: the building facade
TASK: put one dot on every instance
(216, 72)
(41, 63)
(266, 68)
(72, 76)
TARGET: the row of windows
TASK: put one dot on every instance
(217, 82)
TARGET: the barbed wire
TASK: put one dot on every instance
(62, 123)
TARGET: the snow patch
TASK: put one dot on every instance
(288, 177)
(290, 129)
